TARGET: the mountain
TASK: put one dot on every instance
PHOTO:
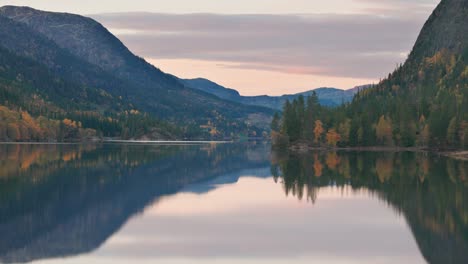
(327, 96)
(423, 103)
(47, 94)
(446, 29)
(81, 50)
(212, 88)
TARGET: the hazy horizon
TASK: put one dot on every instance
(257, 48)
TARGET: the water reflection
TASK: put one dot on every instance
(219, 203)
(69, 198)
(429, 191)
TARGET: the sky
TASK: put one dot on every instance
(262, 46)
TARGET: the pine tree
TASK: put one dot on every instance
(275, 123)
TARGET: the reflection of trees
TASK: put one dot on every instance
(81, 199)
(384, 168)
(16, 159)
(431, 192)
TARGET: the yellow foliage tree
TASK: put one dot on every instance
(318, 130)
(344, 129)
(31, 125)
(384, 131)
(214, 132)
(70, 123)
(333, 137)
(424, 136)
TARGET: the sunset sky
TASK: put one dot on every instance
(262, 46)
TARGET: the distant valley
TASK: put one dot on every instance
(327, 96)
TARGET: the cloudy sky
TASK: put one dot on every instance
(262, 46)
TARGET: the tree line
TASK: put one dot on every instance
(422, 106)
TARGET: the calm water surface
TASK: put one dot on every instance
(229, 203)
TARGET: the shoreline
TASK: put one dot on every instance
(460, 154)
(305, 147)
(170, 142)
(156, 142)
(367, 149)
(295, 148)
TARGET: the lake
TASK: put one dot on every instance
(229, 203)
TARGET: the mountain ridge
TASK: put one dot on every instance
(327, 96)
(79, 48)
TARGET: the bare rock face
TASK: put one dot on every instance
(446, 28)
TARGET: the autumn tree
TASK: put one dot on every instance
(384, 131)
(424, 135)
(318, 131)
(332, 137)
(344, 130)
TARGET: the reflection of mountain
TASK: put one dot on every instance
(430, 192)
(230, 178)
(75, 205)
(70, 199)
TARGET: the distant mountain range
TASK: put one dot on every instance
(327, 96)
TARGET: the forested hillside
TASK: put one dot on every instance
(37, 105)
(80, 50)
(424, 102)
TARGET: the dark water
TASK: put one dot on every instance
(229, 203)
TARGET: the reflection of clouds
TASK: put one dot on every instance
(253, 220)
(319, 44)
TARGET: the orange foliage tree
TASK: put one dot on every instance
(333, 137)
(318, 131)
